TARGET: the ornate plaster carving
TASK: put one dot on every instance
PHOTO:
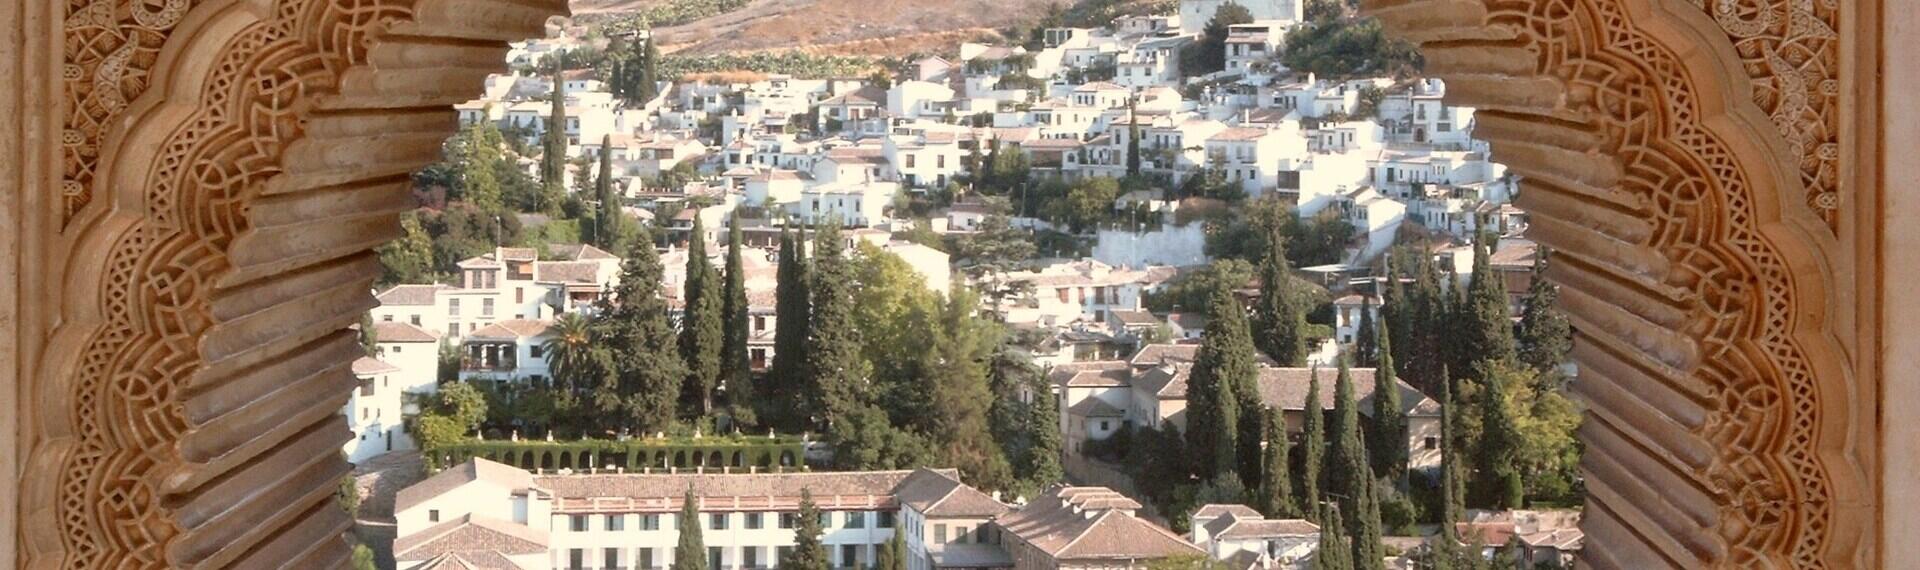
(1695, 267)
(244, 157)
(1791, 50)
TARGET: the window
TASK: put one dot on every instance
(519, 295)
(611, 558)
(960, 534)
(535, 350)
(577, 559)
(826, 520)
(453, 307)
(1104, 425)
(578, 523)
(415, 319)
(646, 558)
(939, 533)
(909, 161)
(782, 553)
(433, 515)
(717, 521)
(883, 519)
(940, 161)
(714, 558)
(486, 307)
(856, 519)
(789, 520)
(616, 522)
(396, 350)
(649, 522)
(849, 555)
(753, 521)
(386, 318)
(750, 557)
(1430, 442)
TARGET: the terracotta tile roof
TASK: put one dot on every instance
(519, 253)
(662, 492)
(1514, 252)
(867, 95)
(512, 329)
(471, 535)
(1098, 86)
(1267, 528)
(1103, 373)
(1091, 524)
(1096, 408)
(578, 252)
(386, 331)
(940, 494)
(411, 294)
(1495, 534)
(1563, 539)
(475, 470)
(1286, 388)
(566, 271)
(1158, 354)
(1239, 134)
(1128, 318)
(1168, 382)
(1218, 509)
(369, 366)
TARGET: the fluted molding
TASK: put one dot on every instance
(225, 169)
(1682, 161)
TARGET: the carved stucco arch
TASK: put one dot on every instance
(227, 166)
(1685, 162)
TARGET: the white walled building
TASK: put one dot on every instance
(374, 411)
(507, 351)
(508, 283)
(1239, 533)
(1194, 14)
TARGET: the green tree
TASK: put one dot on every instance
(363, 558)
(736, 363)
(1364, 528)
(691, 552)
(553, 153)
(808, 552)
(479, 179)
(1133, 141)
(649, 71)
(835, 371)
(1333, 553)
(1389, 420)
(1343, 447)
(1453, 494)
(648, 363)
(786, 396)
(1313, 451)
(410, 258)
(961, 354)
(1043, 458)
(1544, 335)
(1222, 377)
(1366, 345)
(1282, 324)
(567, 350)
(893, 554)
(1486, 331)
(701, 327)
(607, 216)
(462, 403)
(348, 496)
(1500, 440)
(1275, 496)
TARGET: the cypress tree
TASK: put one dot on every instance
(1366, 345)
(1276, 481)
(1133, 141)
(1313, 451)
(1500, 439)
(1333, 553)
(1397, 317)
(836, 373)
(1544, 334)
(1389, 420)
(1043, 456)
(691, 553)
(893, 554)
(1221, 390)
(1364, 527)
(608, 215)
(808, 552)
(1453, 494)
(648, 365)
(553, 155)
(700, 327)
(1281, 322)
(786, 396)
(1431, 314)
(1488, 333)
(649, 71)
(1343, 450)
(736, 364)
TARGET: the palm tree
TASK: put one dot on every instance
(569, 346)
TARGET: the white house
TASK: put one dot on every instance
(414, 350)
(1348, 311)
(1250, 156)
(508, 283)
(1194, 14)
(1239, 533)
(508, 351)
(374, 412)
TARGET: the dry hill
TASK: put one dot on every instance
(855, 27)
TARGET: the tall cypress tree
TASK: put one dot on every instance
(808, 552)
(691, 553)
(636, 328)
(736, 363)
(1133, 141)
(1500, 438)
(1364, 527)
(700, 327)
(1389, 421)
(553, 155)
(1430, 312)
(1282, 324)
(1488, 331)
(786, 396)
(1343, 449)
(1313, 450)
(1275, 495)
(608, 215)
(1397, 316)
(836, 373)
(893, 554)
(1453, 494)
(1043, 456)
(1220, 391)
(649, 71)
(1544, 333)
(1366, 345)
(1333, 553)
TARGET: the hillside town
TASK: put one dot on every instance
(1135, 294)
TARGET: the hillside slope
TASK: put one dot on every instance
(864, 27)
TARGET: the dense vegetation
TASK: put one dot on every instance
(1336, 44)
(661, 14)
(799, 64)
